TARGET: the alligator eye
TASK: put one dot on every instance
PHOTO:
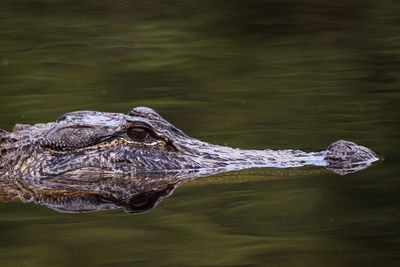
(137, 133)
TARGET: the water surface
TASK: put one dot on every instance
(248, 74)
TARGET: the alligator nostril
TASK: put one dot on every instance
(61, 118)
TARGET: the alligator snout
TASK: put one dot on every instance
(345, 157)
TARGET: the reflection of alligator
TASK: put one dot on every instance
(92, 192)
(143, 142)
(134, 193)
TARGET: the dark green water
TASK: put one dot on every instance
(249, 74)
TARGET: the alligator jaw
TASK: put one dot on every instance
(341, 157)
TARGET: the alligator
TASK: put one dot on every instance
(143, 142)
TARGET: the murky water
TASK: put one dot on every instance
(250, 74)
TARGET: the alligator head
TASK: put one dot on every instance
(142, 142)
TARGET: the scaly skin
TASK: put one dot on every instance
(89, 141)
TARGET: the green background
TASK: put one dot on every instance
(248, 74)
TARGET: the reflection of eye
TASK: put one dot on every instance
(137, 133)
